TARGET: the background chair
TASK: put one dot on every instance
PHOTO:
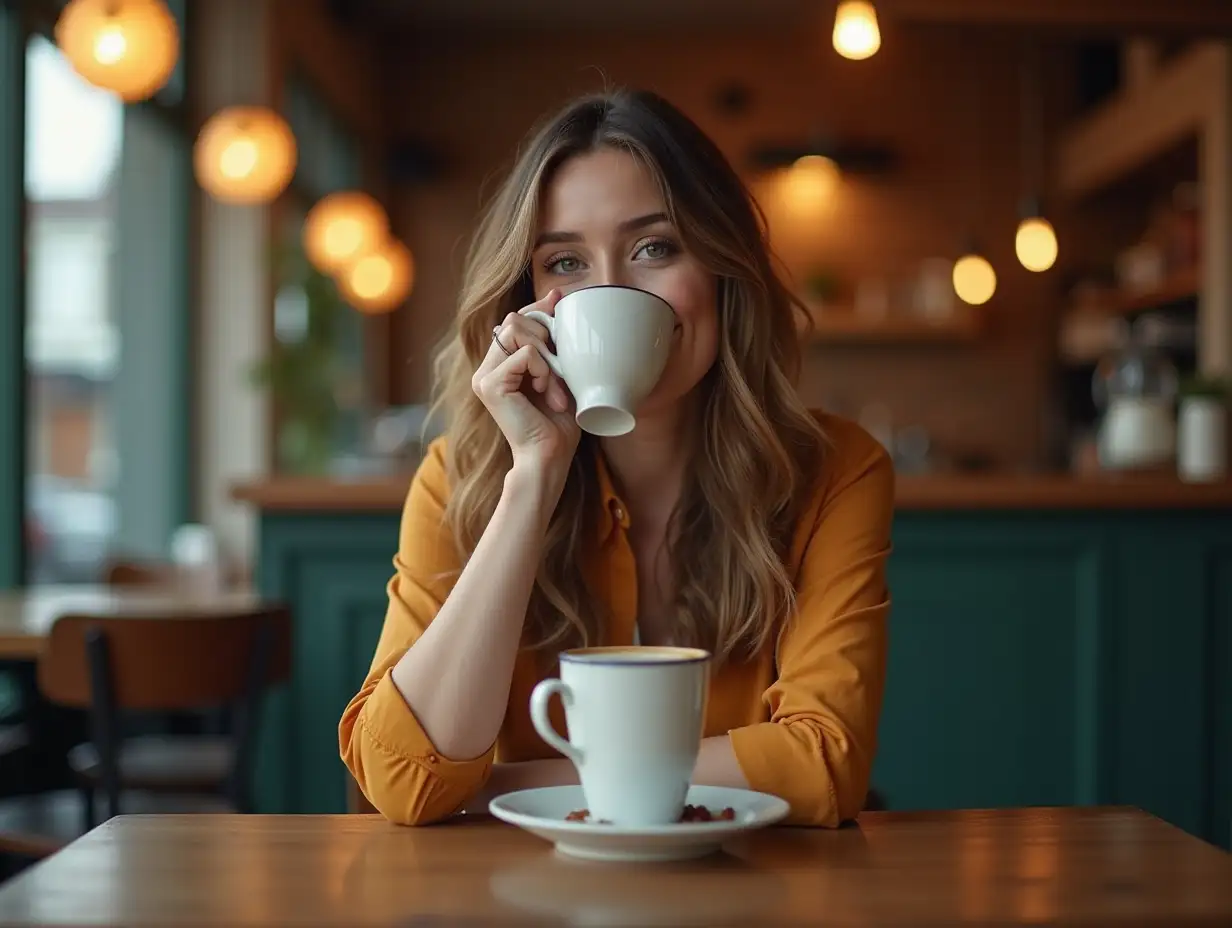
(114, 667)
(139, 573)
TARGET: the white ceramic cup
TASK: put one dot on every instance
(635, 717)
(611, 344)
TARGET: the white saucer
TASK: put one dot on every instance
(542, 812)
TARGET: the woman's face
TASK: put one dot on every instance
(604, 221)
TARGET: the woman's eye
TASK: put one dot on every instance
(655, 250)
(563, 264)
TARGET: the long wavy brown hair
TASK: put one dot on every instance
(758, 450)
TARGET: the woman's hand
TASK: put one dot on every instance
(530, 404)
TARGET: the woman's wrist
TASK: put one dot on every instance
(534, 486)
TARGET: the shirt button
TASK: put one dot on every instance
(432, 758)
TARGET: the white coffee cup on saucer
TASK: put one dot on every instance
(635, 717)
(612, 343)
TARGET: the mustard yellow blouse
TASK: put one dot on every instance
(802, 717)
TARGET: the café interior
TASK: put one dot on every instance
(231, 240)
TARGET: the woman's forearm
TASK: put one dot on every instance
(456, 677)
(717, 764)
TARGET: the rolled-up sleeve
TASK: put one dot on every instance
(817, 749)
(387, 751)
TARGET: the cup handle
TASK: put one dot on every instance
(553, 361)
(539, 699)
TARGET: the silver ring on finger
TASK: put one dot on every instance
(496, 330)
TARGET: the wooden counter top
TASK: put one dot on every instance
(325, 494)
(1058, 491)
(929, 492)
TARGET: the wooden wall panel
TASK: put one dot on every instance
(946, 98)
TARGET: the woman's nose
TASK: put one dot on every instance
(607, 273)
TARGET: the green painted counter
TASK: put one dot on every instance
(1047, 646)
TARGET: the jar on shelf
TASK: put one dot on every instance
(1202, 436)
(1135, 389)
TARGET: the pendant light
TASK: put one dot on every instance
(856, 34)
(245, 155)
(974, 279)
(380, 281)
(343, 227)
(811, 181)
(973, 276)
(129, 47)
(1035, 242)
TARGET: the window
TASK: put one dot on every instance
(106, 238)
(73, 149)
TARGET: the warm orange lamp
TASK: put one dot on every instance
(343, 227)
(129, 47)
(245, 155)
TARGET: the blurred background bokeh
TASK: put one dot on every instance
(231, 234)
(177, 338)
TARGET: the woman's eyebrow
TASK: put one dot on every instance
(629, 225)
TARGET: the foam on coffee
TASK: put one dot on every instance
(635, 654)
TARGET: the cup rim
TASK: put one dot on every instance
(583, 656)
(616, 287)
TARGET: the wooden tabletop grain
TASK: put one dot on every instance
(1077, 866)
(26, 615)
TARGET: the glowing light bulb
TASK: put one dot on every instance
(1036, 244)
(343, 227)
(810, 182)
(129, 47)
(856, 34)
(371, 276)
(244, 155)
(974, 279)
(239, 159)
(381, 280)
(110, 45)
(344, 238)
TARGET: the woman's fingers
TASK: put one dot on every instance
(507, 338)
(515, 333)
(508, 375)
(517, 327)
(538, 369)
(556, 395)
(545, 304)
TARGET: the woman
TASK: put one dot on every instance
(730, 518)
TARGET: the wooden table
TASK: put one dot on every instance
(1088, 866)
(27, 615)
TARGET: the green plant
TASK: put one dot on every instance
(301, 370)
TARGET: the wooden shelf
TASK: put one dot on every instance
(1140, 123)
(840, 327)
(1176, 288)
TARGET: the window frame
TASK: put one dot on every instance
(21, 20)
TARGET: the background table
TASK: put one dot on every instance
(27, 615)
(1104, 866)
